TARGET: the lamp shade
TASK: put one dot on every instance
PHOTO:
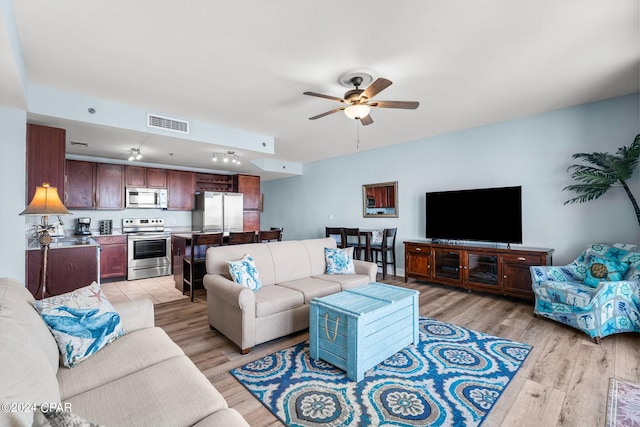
(357, 111)
(45, 202)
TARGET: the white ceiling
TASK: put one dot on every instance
(245, 65)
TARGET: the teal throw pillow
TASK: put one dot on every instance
(339, 261)
(244, 272)
(82, 322)
(604, 269)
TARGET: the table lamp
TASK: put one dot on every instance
(45, 202)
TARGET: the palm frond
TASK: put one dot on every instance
(602, 172)
(585, 193)
(598, 159)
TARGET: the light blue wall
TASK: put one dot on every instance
(533, 152)
(12, 175)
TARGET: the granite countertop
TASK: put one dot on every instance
(64, 242)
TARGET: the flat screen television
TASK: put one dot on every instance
(484, 215)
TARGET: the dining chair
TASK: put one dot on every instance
(386, 247)
(281, 231)
(338, 235)
(193, 266)
(265, 236)
(352, 238)
(241, 237)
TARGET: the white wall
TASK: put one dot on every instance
(533, 152)
(12, 176)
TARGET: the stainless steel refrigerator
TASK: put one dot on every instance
(217, 212)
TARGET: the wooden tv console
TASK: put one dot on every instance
(475, 267)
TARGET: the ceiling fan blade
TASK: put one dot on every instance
(327, 113)
(366, 120)
(409, 105)
(375, 88)
(319, 95)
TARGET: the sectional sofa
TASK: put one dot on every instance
(291, 273)
(141, 379)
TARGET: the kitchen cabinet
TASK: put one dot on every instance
(180, 189)
(45, 158)
(142, 177)
(94, 185)
(214, 182)
(249, 186)
(475, 267)
(80, 185)
(113, 255)
(109, 186)
(68, 268)
(251, 220)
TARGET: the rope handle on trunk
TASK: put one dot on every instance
(326, 327)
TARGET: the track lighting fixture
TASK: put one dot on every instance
(229, 156)
(134, 154)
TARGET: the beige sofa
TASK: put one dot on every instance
(291, 272)
(141, 379)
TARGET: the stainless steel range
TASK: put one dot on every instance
(149, 248)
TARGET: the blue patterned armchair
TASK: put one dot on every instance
(598, 293)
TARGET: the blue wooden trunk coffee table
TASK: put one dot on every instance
(356, 329)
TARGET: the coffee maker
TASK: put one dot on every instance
(82, 226)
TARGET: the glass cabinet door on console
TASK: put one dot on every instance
(481, 270)
(447, 265)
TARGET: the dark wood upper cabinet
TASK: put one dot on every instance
(249, 186)
(135, 176)
(156, 178)
(94, 185)
(45, 158)
(180, 189)
(80, 186)
(109, 186)
(142, 177)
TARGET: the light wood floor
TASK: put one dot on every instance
(563, 382)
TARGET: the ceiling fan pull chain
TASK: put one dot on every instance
(357, 134)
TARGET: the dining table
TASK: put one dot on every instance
(368, 241)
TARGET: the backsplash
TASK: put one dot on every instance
(180, 220)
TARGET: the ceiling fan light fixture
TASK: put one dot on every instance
(357, 111)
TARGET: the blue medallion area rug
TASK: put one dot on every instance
(453, 377)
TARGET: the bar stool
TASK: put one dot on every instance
(241, 237)
(269, 236)
(193, 266)
(385, 248)
(281, 231)
(352, 238)
(338, 235)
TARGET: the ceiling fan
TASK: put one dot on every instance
(359, 101)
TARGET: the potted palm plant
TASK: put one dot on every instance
(603, 172)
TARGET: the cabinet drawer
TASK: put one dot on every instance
(523, 258)
(111, 240)
(418, 249)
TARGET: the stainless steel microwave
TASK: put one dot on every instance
(146, 198)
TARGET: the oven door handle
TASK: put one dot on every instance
(138, 238)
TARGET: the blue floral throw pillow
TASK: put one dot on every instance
(82, 322)
(339, 261)
(603, 269)
(244, 272)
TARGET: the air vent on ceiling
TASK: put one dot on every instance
(167, 123)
